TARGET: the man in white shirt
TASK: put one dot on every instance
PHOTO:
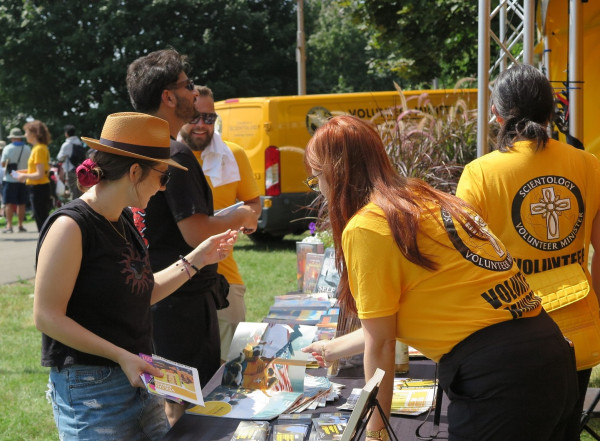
(14, 193)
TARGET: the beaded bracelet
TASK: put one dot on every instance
(187, 264)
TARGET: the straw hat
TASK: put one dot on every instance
(136, 135)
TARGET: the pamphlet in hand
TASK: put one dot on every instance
(227, 210)
(179, 382)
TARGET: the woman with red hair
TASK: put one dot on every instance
(418, 266)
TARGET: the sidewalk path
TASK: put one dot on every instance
(18, 255)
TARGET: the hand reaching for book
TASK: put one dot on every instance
(318, 350)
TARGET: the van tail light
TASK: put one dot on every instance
(272, 171)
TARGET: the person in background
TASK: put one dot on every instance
(64, 156)
(38, 165)
(2, 145)
(540, 196)
(418, 266)
(14, 193)
(94, 287)
(186, 327)
(228, 172)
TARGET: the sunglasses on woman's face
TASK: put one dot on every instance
(313, 183)
(165, 176)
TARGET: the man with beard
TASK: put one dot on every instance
(228, 172)
(177, 220)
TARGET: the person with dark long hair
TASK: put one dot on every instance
(94, 286)
(419, 266)
(539, 195)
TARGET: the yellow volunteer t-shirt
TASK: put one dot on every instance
(228, 194)
(39, 155)
(475, 285)
(542, 204)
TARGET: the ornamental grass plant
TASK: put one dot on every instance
(428, 142)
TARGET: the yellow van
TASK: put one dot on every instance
(275, 130)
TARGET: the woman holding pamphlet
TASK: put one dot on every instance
(419, 266)
(94, 286)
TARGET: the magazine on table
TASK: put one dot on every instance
(264, 372)
(412, 396)
(294, 316)
(251, 431)
(290, 432)
(312, 270)
(302, 249)
(179, 382)
(329, 278)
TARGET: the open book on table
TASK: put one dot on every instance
(264, 372)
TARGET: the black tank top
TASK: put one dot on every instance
(111, 297)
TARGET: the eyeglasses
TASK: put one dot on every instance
(187, 83)
(313, 182)
(207, 118)
(165, 176)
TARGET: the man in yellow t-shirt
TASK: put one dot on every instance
(228, 172)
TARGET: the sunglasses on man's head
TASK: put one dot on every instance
(207, 118)
(164, 176)
(187, 83)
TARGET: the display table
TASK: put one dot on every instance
(200, 428)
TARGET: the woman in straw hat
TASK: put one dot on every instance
(94, 286)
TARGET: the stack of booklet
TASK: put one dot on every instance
(294, 427)
(301, 309)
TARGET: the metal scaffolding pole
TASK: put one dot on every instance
(483, 65)
(528, 31)
(516, 23)
(301, 50)
(575, 85)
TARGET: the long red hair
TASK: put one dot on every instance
(351, 157)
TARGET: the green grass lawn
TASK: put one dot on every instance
(25, 415)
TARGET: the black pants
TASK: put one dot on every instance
(40, 203)
(186, 330)
(515, 381)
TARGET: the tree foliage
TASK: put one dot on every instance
(337, 51)
(65, 61)
(423, 39)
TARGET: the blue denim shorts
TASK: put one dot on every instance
(98, 403)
